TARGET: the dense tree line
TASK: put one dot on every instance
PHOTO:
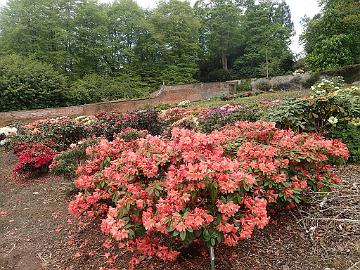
(173, 43)
(332, 38)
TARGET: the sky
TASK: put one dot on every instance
(299, 8)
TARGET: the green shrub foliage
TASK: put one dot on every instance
(65, 163)
(29, 84)
(351, 136)
(96, 88)
(332, 110)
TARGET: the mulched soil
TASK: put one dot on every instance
(36, 232)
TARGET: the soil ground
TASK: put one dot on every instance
(36, 232)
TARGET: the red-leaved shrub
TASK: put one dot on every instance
(156, 195)
(33, 159)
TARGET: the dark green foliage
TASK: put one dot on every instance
(351, 136)
(332, 38)
(349, 73)
(244, 86)
(29, 84)
(111, 124)
(95, 88)
(66, 163)
(219, 75)
(332, 111)
(263, 86)
(63, 134)
(120, 40)
(58, 133)
(267, 29)
(131, 135)
(310, 115)
(292, 113)
(149, 120)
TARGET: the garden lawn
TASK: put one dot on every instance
(251, 100)
(36, 232)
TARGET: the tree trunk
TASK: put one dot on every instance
(267, 64)
(224, 61)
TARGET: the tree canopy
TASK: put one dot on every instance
(332, 38)
(172, 43)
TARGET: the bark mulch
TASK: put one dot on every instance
(36, 232)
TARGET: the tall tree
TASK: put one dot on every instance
(220, 28)
(171, 45)
(125, 27)
(267, 29)
(90, 38)
(30, 28)
(332, 38)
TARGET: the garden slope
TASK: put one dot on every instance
(35, 232)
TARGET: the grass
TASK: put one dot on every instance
(252, 99)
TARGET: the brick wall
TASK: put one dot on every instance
(166, 94)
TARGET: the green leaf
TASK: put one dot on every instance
(183, 235)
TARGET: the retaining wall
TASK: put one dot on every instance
(166, 94)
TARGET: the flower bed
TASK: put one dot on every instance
(156, 195)
(157, 187)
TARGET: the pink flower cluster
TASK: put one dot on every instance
(222, 111)
(154, 194)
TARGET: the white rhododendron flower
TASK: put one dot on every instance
(184, 103)
(333, 120)
(5, 132)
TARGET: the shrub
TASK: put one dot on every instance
(66, 163)
(34, 159)
(292, 113)
(351, 136)
(156, 195)
(245, 85)
(149, 120)
(219, 75)
(331, 111)
(29, 84)
(327, 86)
(263, 86)
(58, 133)
(349, 73)
(95, 88)
(131, 134)
(215, 118)
(109, 124)
(330, 107)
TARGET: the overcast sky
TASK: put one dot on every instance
(299, 8)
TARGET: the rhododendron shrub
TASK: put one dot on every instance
(33, 159)
(109, 124)
(57, 133)
(218, 117)
(155, 195)
(65, 163)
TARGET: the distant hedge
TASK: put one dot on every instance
(29, 84)
(96, 88)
